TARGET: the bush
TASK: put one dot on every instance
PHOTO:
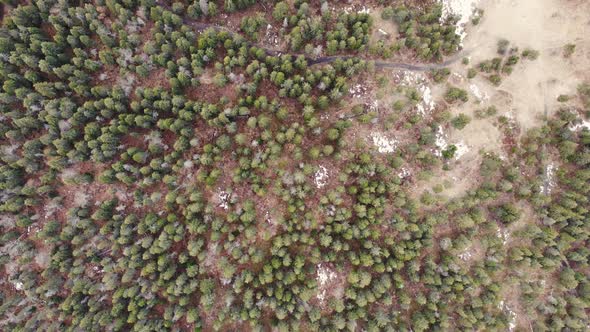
(568, 50)
(503, 46)
(584, 92)
(563, 98)
(455, 94)
(495, 79)
(530, 54)
(460, 121)
(449, 152)
(387, 13)
(280, 11)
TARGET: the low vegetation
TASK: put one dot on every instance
(160, 173)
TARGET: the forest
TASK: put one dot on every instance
(163, 171)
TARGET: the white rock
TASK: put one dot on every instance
(223, 199)
(440, 142)
(364, 10)
(465, 255)
(481, 96)
(321, 177)
(461, 8)
(383, 143)
(549, 182)
(462, 149)
(427, 104)
(324, 275)
(502, 234)
(580, 126)
(418, 81)
(403, 173)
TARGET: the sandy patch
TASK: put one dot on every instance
(462, 149)
(478, 135)
(422, 85)
(463, 9)
(545, 26)
(207, 76)
(383, 29)
(362, 92)
(479, 95)
(331, 283)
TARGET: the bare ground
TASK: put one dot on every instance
(526, 95)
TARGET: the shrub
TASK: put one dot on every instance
(568, 50)
(460, 121)
(454, 94)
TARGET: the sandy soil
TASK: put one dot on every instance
(530, 91)
(545, 26)
(533, 87)
(207, 76)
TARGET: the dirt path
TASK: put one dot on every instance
(395, 65)
(328, 59)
